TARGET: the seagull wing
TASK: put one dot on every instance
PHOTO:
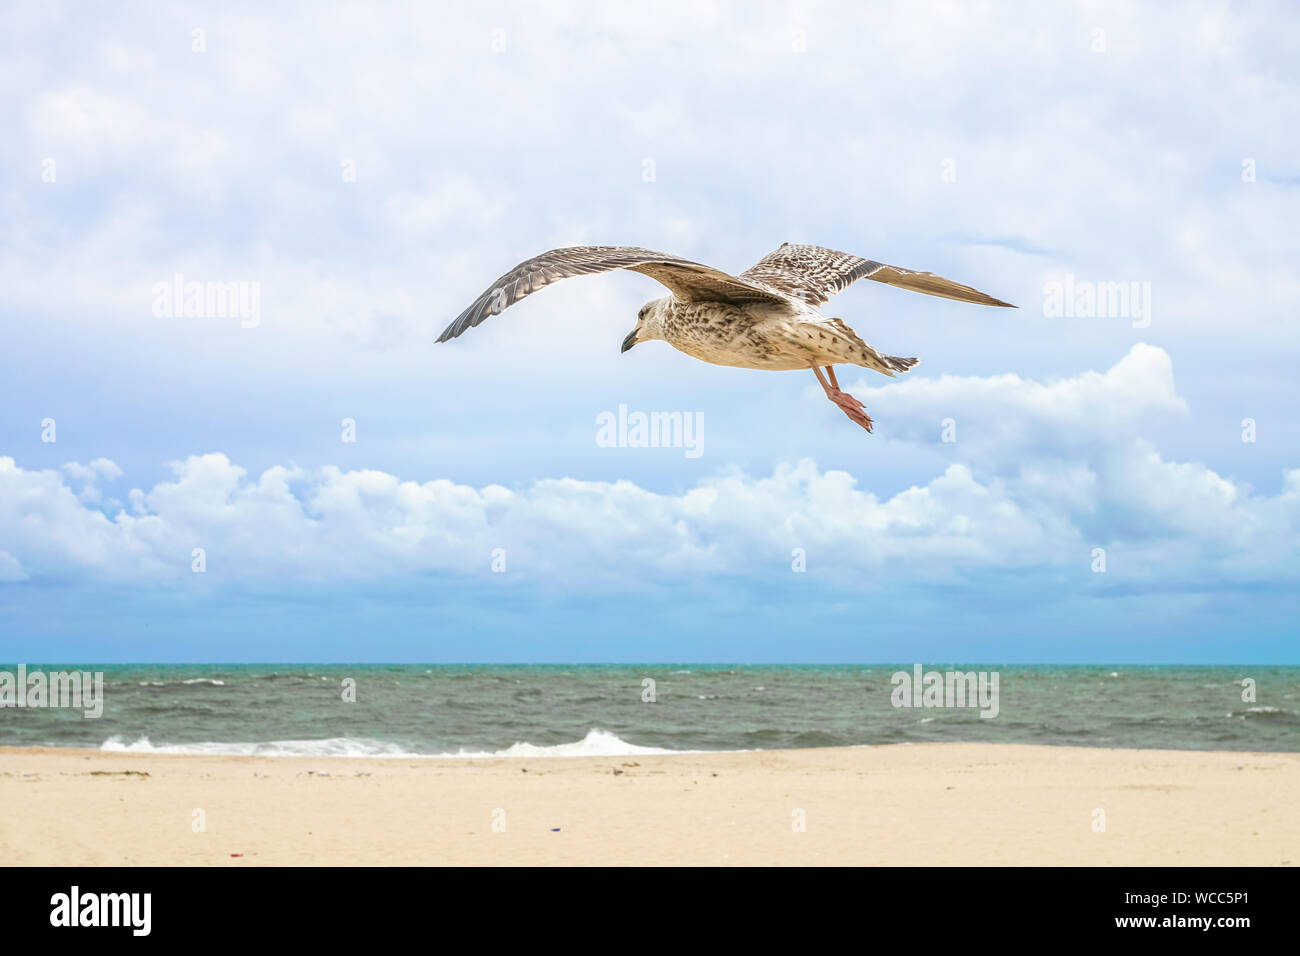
(814, 274)
(688, 281)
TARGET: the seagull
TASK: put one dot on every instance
(765, 318)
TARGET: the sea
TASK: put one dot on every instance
(554, 710)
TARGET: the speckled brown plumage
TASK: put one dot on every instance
(764, 318)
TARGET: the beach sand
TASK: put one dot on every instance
(914, 805)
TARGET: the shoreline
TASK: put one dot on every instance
(542, 755)
(899, 804)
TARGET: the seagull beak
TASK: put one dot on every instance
(629, 341)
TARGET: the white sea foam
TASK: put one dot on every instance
(330, 747)
(597, 743)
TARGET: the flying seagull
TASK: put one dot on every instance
(765, 318)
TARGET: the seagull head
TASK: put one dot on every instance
(649, 323)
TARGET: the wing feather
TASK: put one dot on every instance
(814, 274)
(687, 280)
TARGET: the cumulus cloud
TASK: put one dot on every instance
(1004, 413)
(87, 478)
(1065, 470)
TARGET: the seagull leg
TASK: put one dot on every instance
(849, 405)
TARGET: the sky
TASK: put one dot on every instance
(1109, 473)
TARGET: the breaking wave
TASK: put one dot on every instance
(597, 743)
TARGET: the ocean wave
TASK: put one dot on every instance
(330, 747)
(597, 743)
(1274, 713)
(1266, 715)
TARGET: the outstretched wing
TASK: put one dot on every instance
(687, 280)
(814, 274)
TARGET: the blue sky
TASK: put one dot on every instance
(371, 169)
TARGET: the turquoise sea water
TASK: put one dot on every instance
(429, 709)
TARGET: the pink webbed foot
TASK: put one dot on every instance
(849, 405)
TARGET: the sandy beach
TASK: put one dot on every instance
(925, 804)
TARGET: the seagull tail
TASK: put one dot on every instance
(897, 364)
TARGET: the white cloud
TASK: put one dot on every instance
(100, 467)
(1006, 412)
(88, 477)
(1019, 503)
